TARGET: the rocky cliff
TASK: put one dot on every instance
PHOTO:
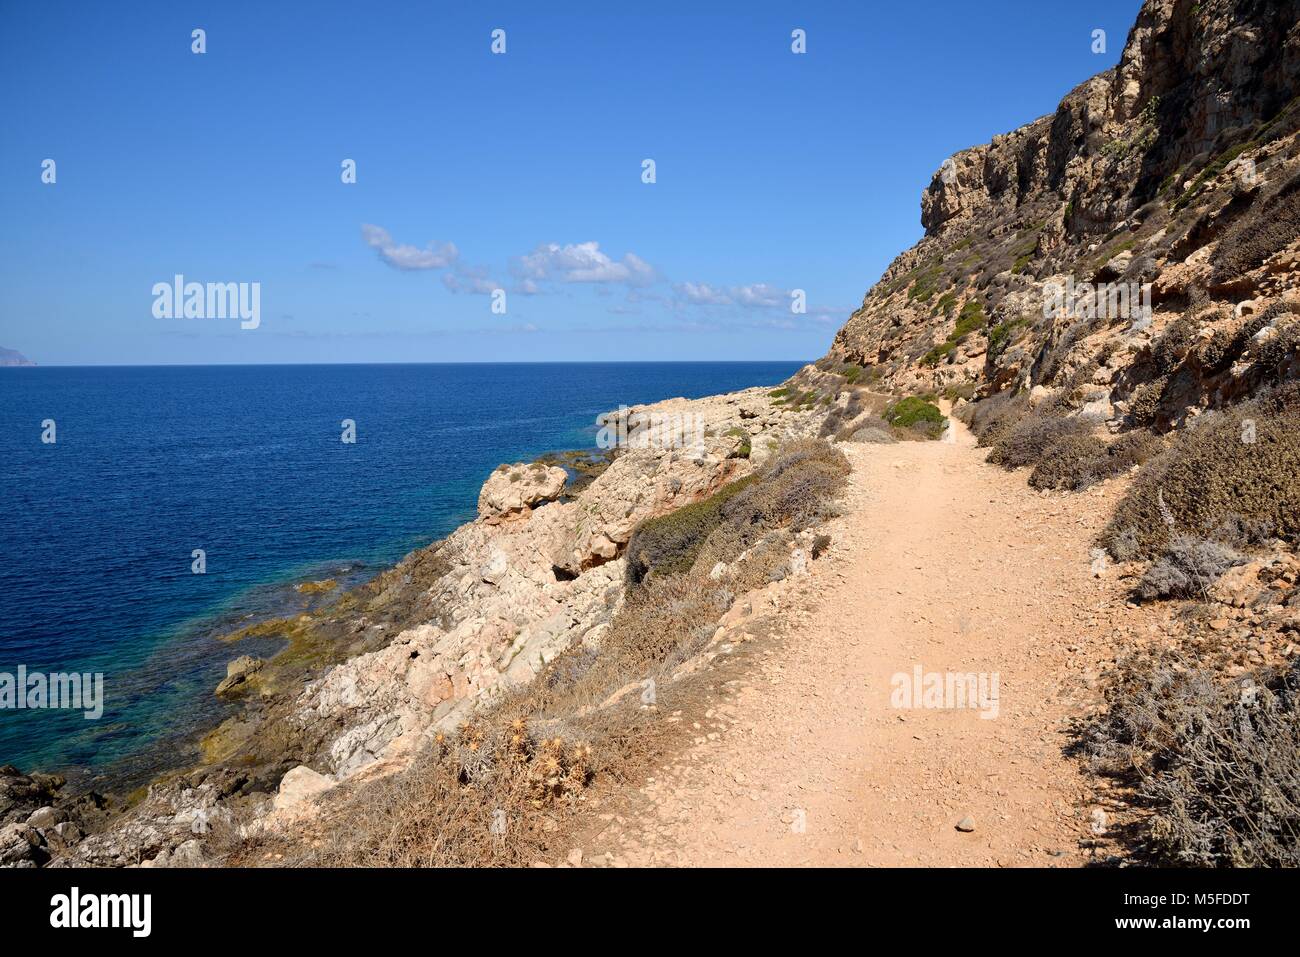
(1173, 175)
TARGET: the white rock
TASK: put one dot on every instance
(300, 785)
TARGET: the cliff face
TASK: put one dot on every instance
(1163, 171)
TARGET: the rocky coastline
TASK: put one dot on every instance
(365, 681)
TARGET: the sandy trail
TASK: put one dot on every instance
(940, 561)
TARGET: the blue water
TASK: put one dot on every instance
(246, 463)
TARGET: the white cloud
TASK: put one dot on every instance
(755, 296)
(761, 294)
(582, 263)
(475, 280)
(432, 256)
(702, 294)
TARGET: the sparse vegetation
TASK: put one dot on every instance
(667, 545)
(525, 763)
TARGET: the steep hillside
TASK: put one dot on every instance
(1175, 172)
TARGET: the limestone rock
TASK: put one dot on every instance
(300, 785)
(517, 489)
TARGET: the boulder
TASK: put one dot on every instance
(517, 489)
(300, 785)
(45, 817)
(237, 674)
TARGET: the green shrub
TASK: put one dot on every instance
(667, 545)
(925, 283)
(970, 319)
(1212, 474)
(746, 447)
(908, 412)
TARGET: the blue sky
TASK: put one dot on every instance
(476, 171)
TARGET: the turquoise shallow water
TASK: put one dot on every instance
(246, 463)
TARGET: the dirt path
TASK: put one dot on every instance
(942, 562)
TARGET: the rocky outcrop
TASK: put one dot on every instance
(1153, 174)
(517, 593)
(516, 489)
(39, 819)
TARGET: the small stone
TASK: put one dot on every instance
(966, 824)
(575, 857)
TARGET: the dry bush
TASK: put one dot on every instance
(1212, 473)
(1214, 764)
(479, 799)
(1028, 441)
(1054, 361)
(1276, 352)
(1079, 461)
(1130, 449)
(661, 623)
(1173, 346)
(991, 418)
(1272, 223)
(795, 488)
(869, 428)
(1066, 462)
(1188, 569)
(1226, 346)
(872, 434)
(1144, 403)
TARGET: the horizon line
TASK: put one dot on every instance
(464, 362)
